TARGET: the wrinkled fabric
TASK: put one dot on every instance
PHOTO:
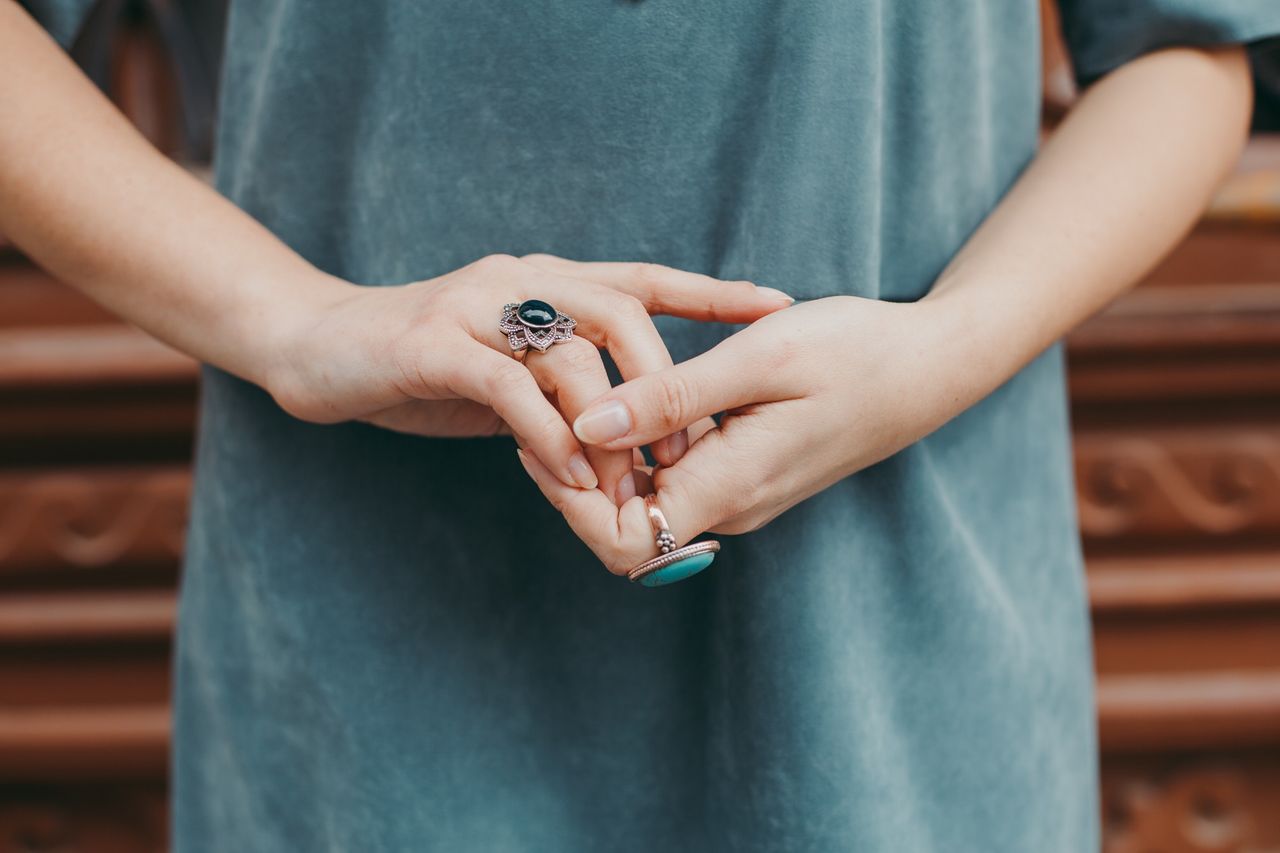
(393, 643)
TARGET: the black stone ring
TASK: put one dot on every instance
(534, 323)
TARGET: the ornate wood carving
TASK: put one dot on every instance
(89, 519)
(1193, 804)
(1189, 482)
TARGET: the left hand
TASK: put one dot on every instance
(812, 394)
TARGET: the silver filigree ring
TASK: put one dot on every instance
(534, 323)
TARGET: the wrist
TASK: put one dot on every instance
(282, 327)
(965, 349)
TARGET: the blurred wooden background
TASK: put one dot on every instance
(1176, 401)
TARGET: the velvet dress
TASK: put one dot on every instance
(388, 642)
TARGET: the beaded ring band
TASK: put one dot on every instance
(672, 564)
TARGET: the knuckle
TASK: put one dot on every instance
(629, 309)
(539, 257)
(506, 381)
(579, 356)
(498, 264)
(675, 400)
(650, 275)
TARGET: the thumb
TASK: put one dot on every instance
(658, 404)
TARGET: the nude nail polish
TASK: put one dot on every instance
(581, 472)
(603, 423)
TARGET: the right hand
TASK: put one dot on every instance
(428, 358)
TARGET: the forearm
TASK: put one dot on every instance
(1117, 185)
(88, 198)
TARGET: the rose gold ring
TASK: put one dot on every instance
(662, 536)
(670, 558)
(665, 540)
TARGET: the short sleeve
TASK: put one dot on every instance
(1102, 35)
(62, 18)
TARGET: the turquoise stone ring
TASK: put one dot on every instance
(688, 567)
(672, 564)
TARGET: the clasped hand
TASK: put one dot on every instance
(809, 394)
(428, 358)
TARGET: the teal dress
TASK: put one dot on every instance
(393, 643)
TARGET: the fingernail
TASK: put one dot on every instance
(524, 461)
(626, 489)
(603, 423)
(677, 445)
(581, 472)
(775, 292)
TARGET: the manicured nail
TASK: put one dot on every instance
(581, 471)
(626, 489)
(778, 293)
(603, 423)
(524, 461)
(677, 445)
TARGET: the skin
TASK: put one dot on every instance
(823, 389)
(87, 197)
(850, 380)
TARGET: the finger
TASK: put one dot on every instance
(612, 304)
(663, 290)
(733, 373)
(607, 318)
(701, 428)
(574, 372)
(615, 534)
(717, 480)
(504, 385)
(644, 481)
(621, 325)
(741, 474)
(666, 290)
(440, 419)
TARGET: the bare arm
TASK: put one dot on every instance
(1117, 185)
(826, 388)
(89, 199)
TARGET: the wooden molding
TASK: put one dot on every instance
(114, 742)
(81, 617)
(1223, 803)
(88, 355)
(1188, 711)
(87, 519)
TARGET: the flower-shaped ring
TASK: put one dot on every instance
(534, 323)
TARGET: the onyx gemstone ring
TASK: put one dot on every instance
(534, 323)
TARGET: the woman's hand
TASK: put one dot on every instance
(812, 395)
(429, 358)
